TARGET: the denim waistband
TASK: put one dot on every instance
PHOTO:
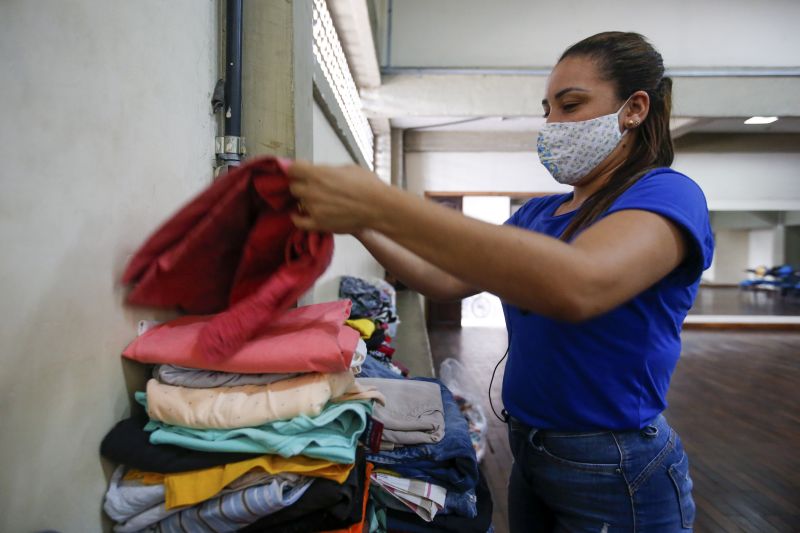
(652, 428)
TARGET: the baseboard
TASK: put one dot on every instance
(749, 322)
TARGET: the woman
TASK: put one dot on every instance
(595, 284)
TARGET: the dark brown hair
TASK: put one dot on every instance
(631, 63)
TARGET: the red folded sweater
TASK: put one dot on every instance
(232, 250)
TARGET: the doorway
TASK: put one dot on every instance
(483, 309)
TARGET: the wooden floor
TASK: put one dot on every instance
(734, 399)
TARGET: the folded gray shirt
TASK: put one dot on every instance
(413, 413)
(196, 378)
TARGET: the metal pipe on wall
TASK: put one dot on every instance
(233, 69)
(230, 148)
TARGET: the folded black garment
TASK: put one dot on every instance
(408, 522)
(377, 338)
(325, 505)
(129, 444)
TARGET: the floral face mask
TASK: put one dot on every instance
(570, 150)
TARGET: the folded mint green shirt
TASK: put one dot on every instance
(332, 435)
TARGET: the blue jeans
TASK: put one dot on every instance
(372, 368)
(601, 481)
(461, 503)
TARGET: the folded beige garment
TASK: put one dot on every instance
(245, 405)
(413, 412)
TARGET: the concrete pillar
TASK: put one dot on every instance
(731, 257)
(278, 64)
(383, 156)
(398, 156)
(779, 241)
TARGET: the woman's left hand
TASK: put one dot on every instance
(343, 199)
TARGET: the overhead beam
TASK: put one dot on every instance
(741, 143)
(693, 72)
(351, 20)
(525, 141)
(457, 95)
(470, 95)
(744, 220)
(469, 141)
(680, 126)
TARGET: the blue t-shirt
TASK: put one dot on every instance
(612, 371)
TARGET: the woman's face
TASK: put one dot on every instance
(576, 92)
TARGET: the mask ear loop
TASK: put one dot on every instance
(630, 124)
(625, 125)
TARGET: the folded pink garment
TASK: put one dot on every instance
(307, 339)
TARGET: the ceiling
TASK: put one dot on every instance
(467, 44)
(533, 124)
(737, 125)
(522, 33)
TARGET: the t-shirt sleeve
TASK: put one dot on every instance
(679, 199)
(525, 212)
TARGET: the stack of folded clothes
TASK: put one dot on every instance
(253, 416)
(273, 427)
(426, 475)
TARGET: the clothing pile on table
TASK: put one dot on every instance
(426, 475)
(253, 416)
(374, 313)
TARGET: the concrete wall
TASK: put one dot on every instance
(349, 256)
(520, 33)
(478, 171)
(743, 172)
(107, 129)
(736, 172)
(745, 181)
(744, 219)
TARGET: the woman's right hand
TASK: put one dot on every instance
(339, 199)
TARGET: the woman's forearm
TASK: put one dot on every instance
(412, 270)
(521, 267)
